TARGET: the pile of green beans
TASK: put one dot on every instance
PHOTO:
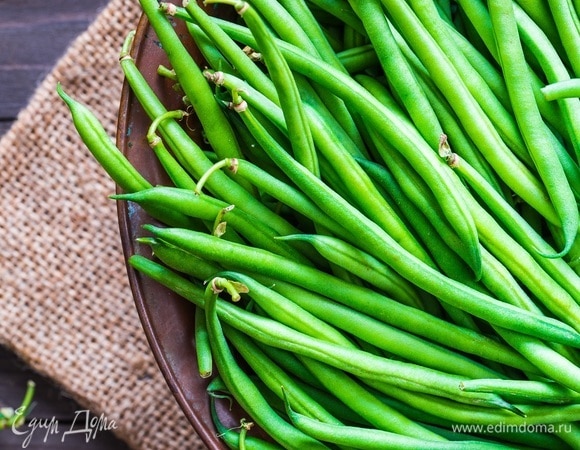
(383, 224)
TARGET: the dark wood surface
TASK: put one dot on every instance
(34, 34)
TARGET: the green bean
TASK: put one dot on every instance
(529, 120)
(293, 22)
(547, 392)
(179, 260)
(554, 365)
(486, 69)
(274, 377)
(242, 388)
(288, 195)
(287, 312)
(283, 79)
(333, 404)
(364, 266)
(458, 413)
(525, 235)
(207, 208)
(358, 59)
(362, 299)
(494, 275)
(112, 160)
(562, 89)
(461, 143)
(303, 16)
(342, 10)
(363, 438)
(539, 12)
(476, 123)
(446, 259)
(555, 71)
(217, 129)
(361, 401)
(396, 68)
(94, 136)
(176, 172)
(358, 362)
(231, 51)
(356, 182)
(189, 154)
(566, 18)
(390, 339)
(522, 265)
(478, 16)
(290, 363)
(501, 118)
(404, 138)
(202, 345)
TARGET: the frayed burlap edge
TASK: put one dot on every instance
(67, 309)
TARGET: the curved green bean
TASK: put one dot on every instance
(535, 135)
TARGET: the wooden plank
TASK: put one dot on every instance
(32, 38)
(53, 416)
(4, 126)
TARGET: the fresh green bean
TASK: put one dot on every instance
(257, 260)
(477, 124)
(363, 438)
(287, 312)
(538, 391)
(94, 136)
(356, 182)
(562, 89)
(520, 229)
(470, 414)
(283, 79)
(241, 386)
(392, 340)
(189, 154)
(217, 129)
(478, 16)
(404, 138)
(342, 10)
(112, 160)
(274, 377)
(202, 344)
(396, 68)
(550, 362)
(293, 23)
(361, 401)
(566, 20)
(555, 71)
(364, 266)
(539, 145)
(231, 51)
(501, 118)
(174, 170)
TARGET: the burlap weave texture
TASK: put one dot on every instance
(67, 309)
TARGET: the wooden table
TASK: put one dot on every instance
(33, 35)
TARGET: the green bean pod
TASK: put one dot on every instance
(363, 438)
(241, 386)
(527, 390)
(404, 138)
(529, 120)
(207, 208)
(364, 266)
(217, 129)
(416, 321)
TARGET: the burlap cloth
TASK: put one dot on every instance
(66, 307)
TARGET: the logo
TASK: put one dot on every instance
(83, 423)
